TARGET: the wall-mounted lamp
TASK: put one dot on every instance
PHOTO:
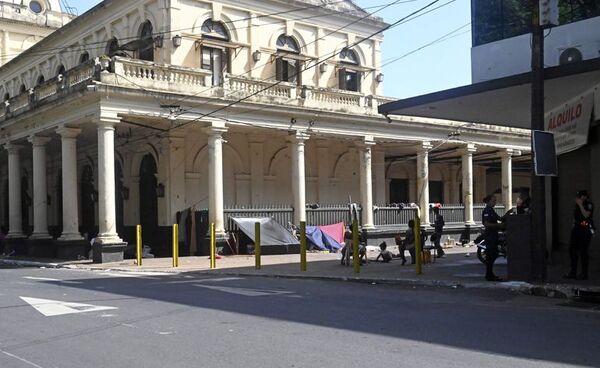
(125, 192)
(322, 67)
(160, 190)
(176, 41)
(256, 55)
(379, 78)
(158, 41)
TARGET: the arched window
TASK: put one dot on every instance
(61, 70)
(146, 45)
(215, 54)
(287, 43)
(349, 75)
(112, 48)
(40, 80)
(288, 67)
(84, 57)
(214, 29)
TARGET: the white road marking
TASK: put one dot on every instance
(50, 308)
(49, 279)
(137, 274)
(245, 292)
(206, 280)
(21, 359)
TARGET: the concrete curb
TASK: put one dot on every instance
(556, 291)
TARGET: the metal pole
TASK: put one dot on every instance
(138, 244)
(257, 245)
(355, 247)
(302, 245)
(418, 247)
(538, 184)
(175, 245)
(213, 247)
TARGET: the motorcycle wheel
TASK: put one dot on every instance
(481, 255)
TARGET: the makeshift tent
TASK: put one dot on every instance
(271, 232)
(321, 240)
(336, 231)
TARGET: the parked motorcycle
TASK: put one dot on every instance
(481, 247)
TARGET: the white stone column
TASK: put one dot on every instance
(423, 181)
(366, 183)
(69, 184)
(507, 178)
(215, 176)
(40, 188)
(15, 222)
(107, 214)
(297, 141)
(467, 182)
(380, 182)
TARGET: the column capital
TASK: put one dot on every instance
(216, 129)
(425, 146)
(367, 142)
(12, 148)
(68, 132)
(298, 137)
(469, 149)
(38, 141)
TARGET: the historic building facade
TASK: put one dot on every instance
(148, 108)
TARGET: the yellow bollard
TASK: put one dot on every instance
(175, 245)
(302, 245)
(418, 245)
(257, 245)
(355, 247)
(138, 244)
(213, 247)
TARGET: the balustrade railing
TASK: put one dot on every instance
(333, 98)
(244, 86)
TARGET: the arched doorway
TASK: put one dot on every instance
(149, 203)
(88, 209)
(146, 50)
(119, 196)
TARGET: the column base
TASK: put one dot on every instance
(70, 237)
(41, 247)
(221, 240)
(103, 252)
(72, 249)
(15, 244)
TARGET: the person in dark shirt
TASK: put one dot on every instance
(492, 224)
(523, 202)
(438, 226)
(581, 235)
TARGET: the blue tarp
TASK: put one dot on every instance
(321, 240)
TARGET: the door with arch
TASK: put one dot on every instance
(149, 202)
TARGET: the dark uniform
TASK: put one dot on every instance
(581, 235)
(491, 240)
(438, 226)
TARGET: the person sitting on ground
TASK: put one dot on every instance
(384, 254)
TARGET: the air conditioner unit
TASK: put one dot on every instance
(577, 53)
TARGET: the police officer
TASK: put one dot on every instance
(581, 235)
(492, 224)
(438, 226)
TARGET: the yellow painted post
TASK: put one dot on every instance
(138, 244)
(257, 245)
(302, 245)
(418, 245)
(355, 247)
(175, 245)
(213, 247)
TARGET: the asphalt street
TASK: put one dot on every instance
(73, 318)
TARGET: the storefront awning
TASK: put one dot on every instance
(505, 101)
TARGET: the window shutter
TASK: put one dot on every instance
(279, 69)
(225, 60)
(299, 68)
(342, 78)
(358, 81)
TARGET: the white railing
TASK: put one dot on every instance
(334, 99)
(19, 102)
(243, 86)
(46, 90)
(79, 74)
(163, 77)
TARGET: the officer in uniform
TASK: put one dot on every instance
(492, 224)
(581, 235)
(438, 226)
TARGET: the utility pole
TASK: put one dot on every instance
(538, 183)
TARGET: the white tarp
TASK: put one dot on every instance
(570, 122)
(271, 232)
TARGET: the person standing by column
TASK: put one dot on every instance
(492, 224)
(438, 226)
(581, 235)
